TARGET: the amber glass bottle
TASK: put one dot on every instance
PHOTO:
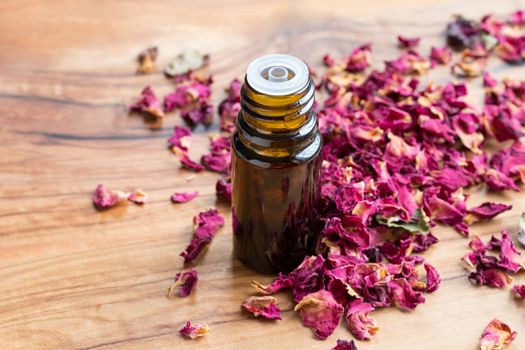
(275, 165)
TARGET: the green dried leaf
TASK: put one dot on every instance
(184, 62)
(418, 222)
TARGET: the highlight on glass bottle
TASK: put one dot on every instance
(275, 165)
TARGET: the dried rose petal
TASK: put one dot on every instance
(146, 60)
(189, 164)
(185, 281)
(138, 197)
(219, 158)
(440, 55)
(407, 42)
(496, 336)
(223, 189)
(205, 224)
(320, 311)
(510, 258)
(148, 103)
(180, 140)
(519, 291)
(187, 95)
(358, 322)
(485, 211)
(104, 198)
(461, 33)
(433, 278)
(360, 59)
(194, 331)
(491, 277)
(230, 107)
(410, 62)
(201, 113)
(344, 345)
(186, 61)
(264, 306)
(328, 61)
(183, 197)
(404, 295)
(279, 283)
(488, 80)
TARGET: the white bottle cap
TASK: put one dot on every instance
(277, 74)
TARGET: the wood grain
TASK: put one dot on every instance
(74, 278)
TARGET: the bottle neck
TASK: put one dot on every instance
(277, 126)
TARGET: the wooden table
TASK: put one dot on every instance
(75, 278)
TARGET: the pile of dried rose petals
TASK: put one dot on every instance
(490, 35)
(397, 157)
(488, 269)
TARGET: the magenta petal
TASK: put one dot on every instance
(320, 311)
(183, 197)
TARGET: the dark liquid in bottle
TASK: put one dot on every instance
(275, 178)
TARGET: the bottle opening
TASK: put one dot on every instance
(277, 75)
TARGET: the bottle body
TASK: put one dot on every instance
(275, 178)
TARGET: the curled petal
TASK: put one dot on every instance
(496, 336)
(194, 331)
(358, 322)
(185, 281)
(264, 306)
(320, 311)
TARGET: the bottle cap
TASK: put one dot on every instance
(277, 74)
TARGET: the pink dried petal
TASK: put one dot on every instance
(485, 211)
(264, 306)
(180, 141)
(183, 197)
(360, 59)
(186, 95)
(510, 257)
(498, 181)
(206, 224)
(409, 62)
(488, 80)
(461, 33)
(496, 336)
(189, 164)
(219, 158)
(201, 113)
(358, 322)
(440, 55)
(433, 278)
(279, 283)
(185, 281)
(230, 107)
(492, 277)
(223, 189)
(406, 42)
(403, 295)
(138, 197)
(104, 198)
(328, 61)
(345, 345)
(519, 291)
(194, 331)
(320, 311)
(148, 103)
(518, 18)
